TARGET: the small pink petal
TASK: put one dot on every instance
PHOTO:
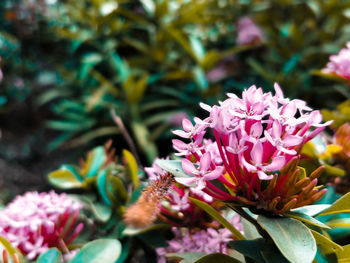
(205, 106)
(214, 174)
(257, 153)
(264, 176)
(181, 133)
(248, 166)
(179, 144)
(188, 167)
(276, 164)
(205, 162)
(292, 140)
(256, 129)
(276, 129)
(187, 125)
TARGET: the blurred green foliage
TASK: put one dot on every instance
(153, 61)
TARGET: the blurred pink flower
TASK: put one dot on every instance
(248, 32)
(209, 240)
(34, 222)
(340, 64)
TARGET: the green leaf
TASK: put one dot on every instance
(216, 257)
(215, 214)
(197, 48)
(172, 166)
(306, 218)
(326, 245)
(132, 168)
(97, 251)
(200, 78)
(250, 231)
(102, 212)
(344, 255)
(250, 248)
(259, 250)
(187, 257)
(53, 255)
(64, 179)
(149, 6)
(292, 238)
(96, 158)
(130, 231)
(116, 190)
(342, 205)
(199, 257)
(102, 187)
(311, 210)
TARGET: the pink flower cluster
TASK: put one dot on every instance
(206, 241)
(248, 32)
(36, 221)
(255, 136)
(340, 64)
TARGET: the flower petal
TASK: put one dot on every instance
(292, 140)
(205, 162)
(264, 176)
(188, 167)
(187, 125)
(276, 164)
(214, 174)
(257, 153)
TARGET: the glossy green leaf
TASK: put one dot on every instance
(53, 255)
(197, 257)
(200, 78)
(344, 255)
(96, 158)
(187, 257)
(172, 166)
(97, 251)
(64, 179)
(130, 231)
(311, 210)
(326, 245)
(102, 187)
(116, 190)
(250, 231)
(342, 205)
(197, 47)
(259, 250)
(216, 215)
(292, 238)
(102, 212)
(132, 168)
(306, 219)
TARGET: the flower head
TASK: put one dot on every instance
(340, 64)
(255, 137)
(34, 222)
(248, 32)
(208, 240)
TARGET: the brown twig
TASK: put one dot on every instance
(118, 121)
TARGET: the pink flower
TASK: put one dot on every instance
(199, 176)
(248, 32)
(255, 136)
(340, 64)
(35, 222)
